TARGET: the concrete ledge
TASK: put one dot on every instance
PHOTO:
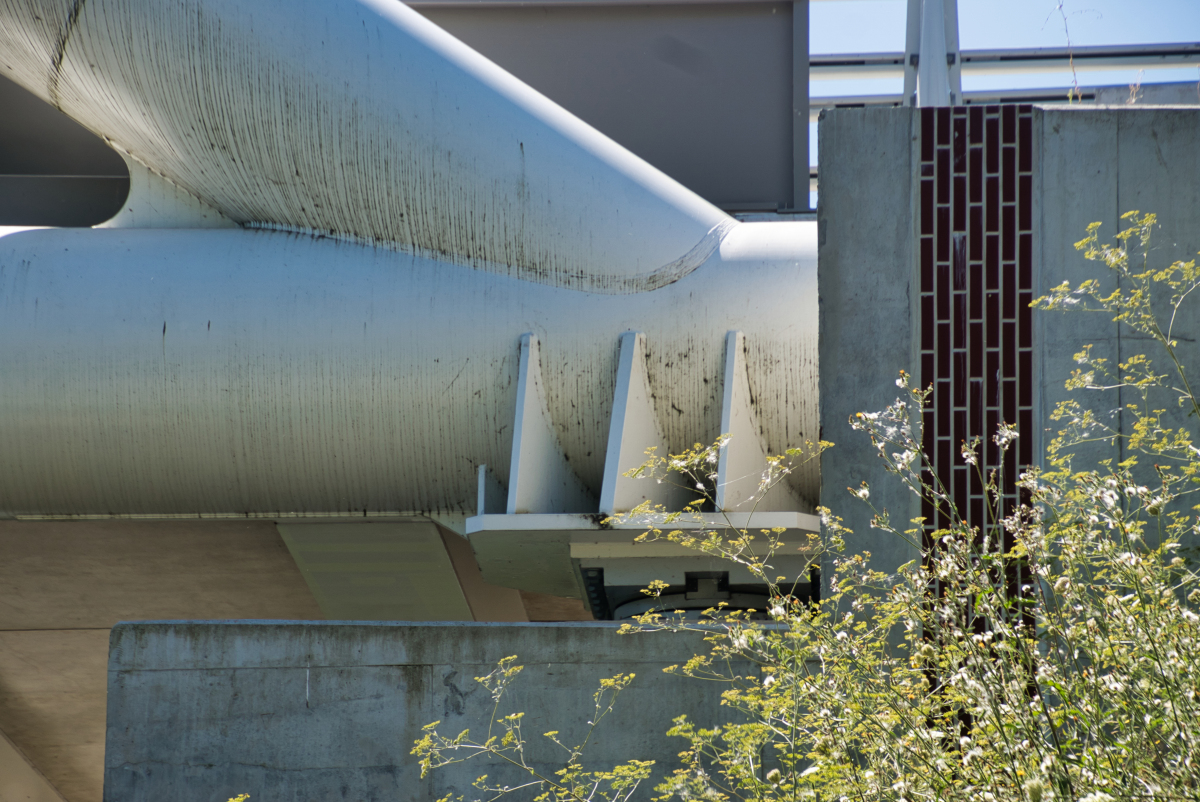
(325, 711)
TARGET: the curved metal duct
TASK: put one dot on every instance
(490, 256)
(363, 119)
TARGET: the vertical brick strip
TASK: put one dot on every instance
(976, 282)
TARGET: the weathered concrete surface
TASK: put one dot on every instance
(292, 711)
(866, 252)
(1181, 93)
(1095, 166)
(1078, 175)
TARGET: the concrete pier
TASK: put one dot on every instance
(329, 711)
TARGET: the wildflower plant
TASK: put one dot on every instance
(696, 470)
(1050, 651)
(506, 742)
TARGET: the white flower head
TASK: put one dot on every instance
(1097, 796)
(1005, 435)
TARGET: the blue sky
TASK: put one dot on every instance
(841, 26)
(849, 26)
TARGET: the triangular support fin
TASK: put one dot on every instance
(633, 429)
(540, 479)
(743, 458)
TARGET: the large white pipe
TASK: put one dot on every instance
(239, 372)
(363, 119)
(227, 372)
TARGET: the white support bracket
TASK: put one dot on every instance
(549, 529)
(490, 498)
(743, 458)
(540, 480)
(633, 429)
(544, 553)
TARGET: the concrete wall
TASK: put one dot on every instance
(293, 711)
(1096, 165)
(1091, 164)
(865, 267)
(1182, 93)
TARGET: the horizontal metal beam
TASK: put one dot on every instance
(418, 4)
(1045, 96)
(1058, 95)
(1095, 57)
(1033, 59)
